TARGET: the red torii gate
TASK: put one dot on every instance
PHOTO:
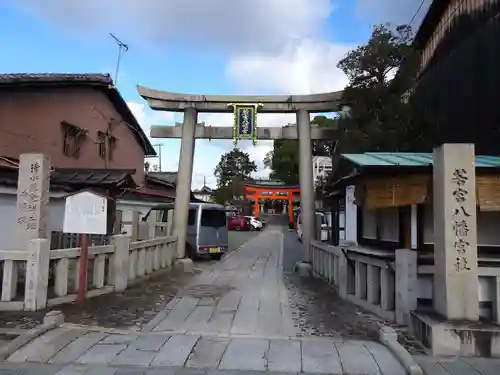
(257, 192)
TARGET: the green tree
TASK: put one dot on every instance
(283, 160)
(381, 74)
(234, 166)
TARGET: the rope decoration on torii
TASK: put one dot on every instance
(245, 121)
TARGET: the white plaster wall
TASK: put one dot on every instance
(127, 207)
(488, 223)
(7, 221)
(203, 197)
(8, 239)
(55, 216)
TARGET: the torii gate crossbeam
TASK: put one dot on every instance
(192, 104)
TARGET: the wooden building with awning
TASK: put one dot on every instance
(384, 200)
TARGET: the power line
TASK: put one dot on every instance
(408, 25)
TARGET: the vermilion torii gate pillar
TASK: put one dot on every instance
(192, 104)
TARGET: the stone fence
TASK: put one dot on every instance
(392, 284)
(50, 277)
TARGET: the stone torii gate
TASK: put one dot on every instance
(192, 104)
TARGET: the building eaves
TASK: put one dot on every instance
(430, 22)
(99, 81)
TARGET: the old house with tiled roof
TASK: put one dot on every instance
(80, 120)
(92, 138)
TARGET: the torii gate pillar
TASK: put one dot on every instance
(306, 180)
(184, 178)
(302, 105)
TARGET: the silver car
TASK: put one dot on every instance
(207, 233)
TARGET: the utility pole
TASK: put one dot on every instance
(159, 145)
(121, 46)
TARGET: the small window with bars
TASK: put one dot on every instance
(73, 139)
(104, 145)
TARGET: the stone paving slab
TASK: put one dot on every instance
(235, 317)
(458, 366)
(293, 355)
(252, 299)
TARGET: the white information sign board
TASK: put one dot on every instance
(85, 212)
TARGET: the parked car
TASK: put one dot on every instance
(239, 223)
(207, 231)
(264, 223)
(255, 224)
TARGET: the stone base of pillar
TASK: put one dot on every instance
(184, 265)
(54, 317)
(450, 338)
(303, 269)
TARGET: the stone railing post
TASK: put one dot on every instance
(120, 264)
(151, 226)
(406, 284)
(37, 274)
(342, 278)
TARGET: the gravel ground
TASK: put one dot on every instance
(128, 310)
(319, 311)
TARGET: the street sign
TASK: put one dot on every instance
(86, 212)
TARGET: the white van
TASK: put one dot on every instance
(324, 227)
(207, 232)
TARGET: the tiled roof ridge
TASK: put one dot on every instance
(13, 78)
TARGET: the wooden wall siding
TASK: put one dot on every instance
(394, 191)
(404, 191)
(488, 193)
(455, 9)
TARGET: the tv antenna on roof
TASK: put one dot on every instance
(121, 46)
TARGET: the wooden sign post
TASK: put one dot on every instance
(85, 213)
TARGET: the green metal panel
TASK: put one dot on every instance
(409, 159)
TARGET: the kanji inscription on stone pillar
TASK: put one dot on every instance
(32, 197)
(455, 232)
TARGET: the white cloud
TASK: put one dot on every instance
(305, 67)
(232, 25)
(272, 58)
(147, 117)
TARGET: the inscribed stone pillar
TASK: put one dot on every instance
(184, 177)
(32, 198)
(455, 232)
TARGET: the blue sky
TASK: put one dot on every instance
(196, 46)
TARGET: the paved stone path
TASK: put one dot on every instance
(233, 317)
(459, 366)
